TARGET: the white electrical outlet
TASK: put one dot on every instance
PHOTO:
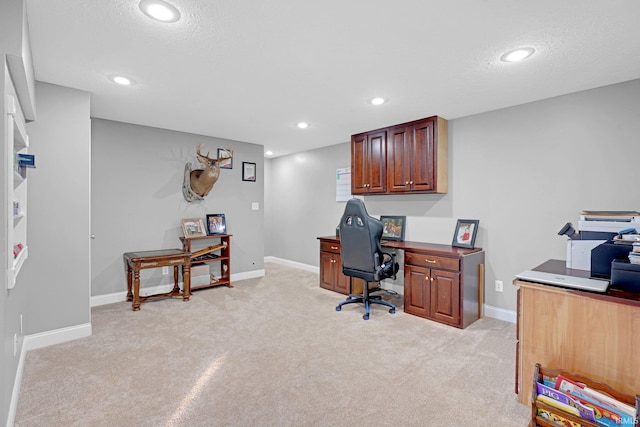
(498, 285)
(165, 270)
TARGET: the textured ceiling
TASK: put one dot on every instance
(250, 70)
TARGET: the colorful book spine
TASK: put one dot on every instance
(559, 396)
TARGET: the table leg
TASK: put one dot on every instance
(176, 288)
(186, 277)
(127, 268)
(136, 287)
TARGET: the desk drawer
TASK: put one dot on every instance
(330, 247)
(431, 261)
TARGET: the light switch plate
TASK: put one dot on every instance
(255, 206)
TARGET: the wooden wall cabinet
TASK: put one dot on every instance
(331, 276)
(406, 158)
(368, 165)
(444, 284)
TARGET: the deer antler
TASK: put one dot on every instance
(202, 155)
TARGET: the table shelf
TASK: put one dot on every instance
(221, 256)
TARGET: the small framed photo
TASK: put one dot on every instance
(393, 227)
(193, 227)
(224, 154)
(248, 171)
(216, 224)
(465, 234)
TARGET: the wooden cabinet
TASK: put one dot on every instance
(331, 276)
(443, 284)
(219, 258)
(368, 166)
(582, 332)
(405, 158)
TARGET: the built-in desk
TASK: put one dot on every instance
(590, 334)
(441, 282)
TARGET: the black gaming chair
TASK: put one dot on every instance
(362, 256)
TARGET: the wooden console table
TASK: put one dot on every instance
(136, 261)
(589, 334)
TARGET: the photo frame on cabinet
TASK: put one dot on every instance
(216, 224)
(465, 234)
(394, 227)
(248, 171)
(224, 154)
(193, 227)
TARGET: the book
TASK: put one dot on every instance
(607, 410)
(563, 401)
(555, 418)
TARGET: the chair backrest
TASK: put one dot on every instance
(360, 236)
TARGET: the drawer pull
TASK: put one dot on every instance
(334, 247)
(430, 261)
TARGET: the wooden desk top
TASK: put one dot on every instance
(416, 246)
(559, 267)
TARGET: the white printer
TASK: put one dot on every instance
(595, 228)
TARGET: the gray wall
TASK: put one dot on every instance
(57, 274)
(522, 171)
(137, 202)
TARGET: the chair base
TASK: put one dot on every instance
(367, 300)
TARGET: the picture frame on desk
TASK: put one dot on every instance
(465, 234)
(193, 227)
(393, 227)
(216, 224)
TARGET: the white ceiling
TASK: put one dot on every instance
(249, 70)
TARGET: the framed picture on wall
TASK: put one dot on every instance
(224, 154)
(216, 224)
(393, 227)
(248, 171)
(465, 234)
(193, 227)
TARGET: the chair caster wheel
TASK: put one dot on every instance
(338, 308)
(365, 317)
(392, 310)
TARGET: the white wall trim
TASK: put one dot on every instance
(15, 395)
(56, 336)
(500, 313)
(294, 264)
(99, 300)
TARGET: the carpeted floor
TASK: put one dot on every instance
(272, 352)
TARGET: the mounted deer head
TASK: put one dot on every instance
(200, 181)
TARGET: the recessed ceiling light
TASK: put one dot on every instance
(160, 10)
(303, 125)
(268, 153)
(378, 101)
(518, 54)
(121, 80)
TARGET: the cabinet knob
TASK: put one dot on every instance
(432, 279)
(406, 183)
(411, 182)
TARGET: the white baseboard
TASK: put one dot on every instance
(500, 313)
(15, 395)
(99, 300)
(56, 336)
(294, 264)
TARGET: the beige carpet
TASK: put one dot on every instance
(272, 352)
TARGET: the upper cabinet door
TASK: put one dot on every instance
(368, 159)
(423, 162)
